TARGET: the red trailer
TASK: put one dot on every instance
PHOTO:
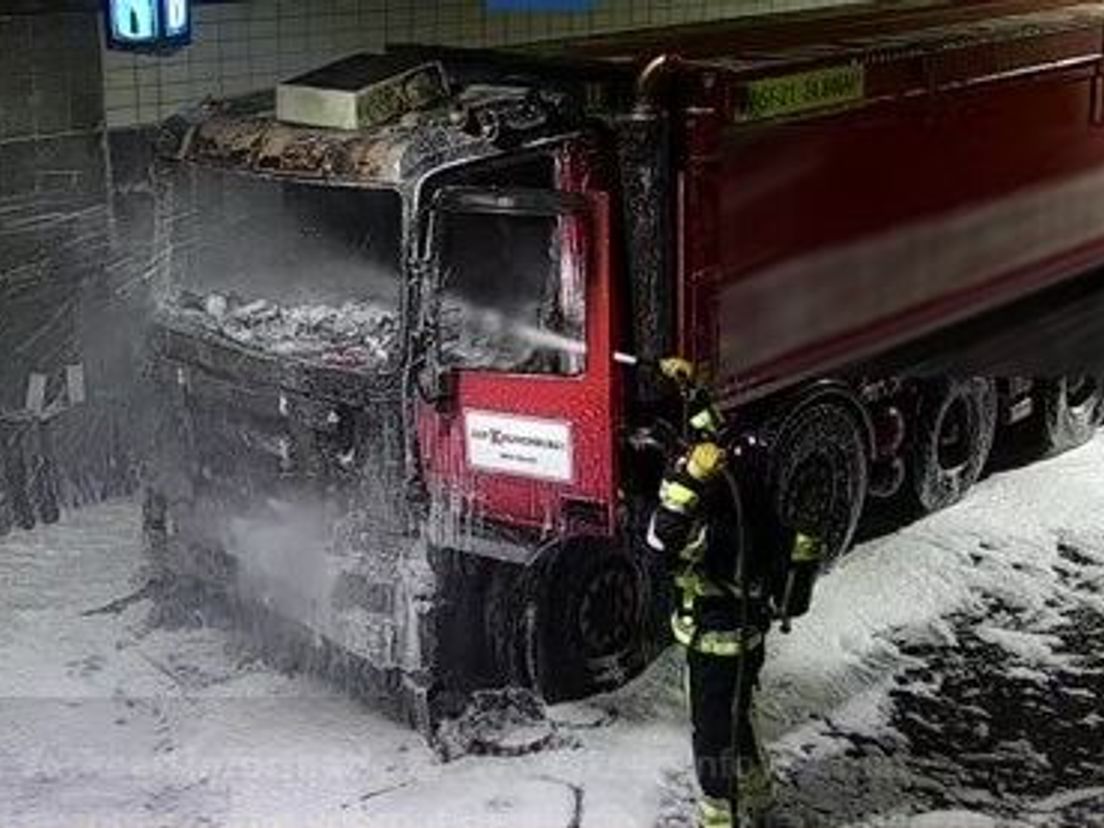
(816, 210)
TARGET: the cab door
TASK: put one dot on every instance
(519, 431)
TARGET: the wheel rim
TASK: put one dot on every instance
(607, 610)
(819, 476)
(820, 503)
(815, 485)
(953, 443)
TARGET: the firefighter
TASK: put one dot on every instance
(724, 608)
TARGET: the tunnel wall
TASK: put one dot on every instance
(55, 228)
(76, 201)
(239, 47)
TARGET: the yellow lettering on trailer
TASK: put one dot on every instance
(802, 92)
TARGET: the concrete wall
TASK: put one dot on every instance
(55, 225)
(52, 185)
(249, 45)
(51, 104)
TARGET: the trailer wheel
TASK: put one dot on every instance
(956, 424)
(1070, 409)
(819, 470)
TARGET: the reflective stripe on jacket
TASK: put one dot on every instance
(726, 643)
(806, 549)
(679, 529)
(714, 813)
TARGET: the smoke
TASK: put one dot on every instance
(303, 271)
(496, 323)
(540, 338)
(283, 561)
(503, 339)
(286, 243)
(57, 316)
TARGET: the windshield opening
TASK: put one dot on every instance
(297, 269)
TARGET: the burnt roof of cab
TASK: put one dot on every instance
(259, 143)
(244, 133)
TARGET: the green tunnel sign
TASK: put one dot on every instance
(801, 92)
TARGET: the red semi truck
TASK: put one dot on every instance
(385, 353)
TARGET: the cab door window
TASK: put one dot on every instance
(512, 293)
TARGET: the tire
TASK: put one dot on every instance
(588, 622)
(955, 425)
(569, 626)
(818, 474)
(1069, 411)
(507, 625)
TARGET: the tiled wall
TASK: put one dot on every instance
(54, 245)
(51, 107)
(52, 186)
(250, 44)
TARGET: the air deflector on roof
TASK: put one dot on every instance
(360, 92)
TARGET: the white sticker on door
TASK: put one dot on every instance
(521, 446)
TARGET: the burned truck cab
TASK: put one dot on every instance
(382, 359)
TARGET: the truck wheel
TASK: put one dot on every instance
(588, 623)
(569, 626)
(1070, 409)
(955, 427)
(819, 470)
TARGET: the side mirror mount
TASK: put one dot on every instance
(435, 383)
(440, 387)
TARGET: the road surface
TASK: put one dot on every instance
(950, 673)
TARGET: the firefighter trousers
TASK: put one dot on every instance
(719, 657)
(724, 737)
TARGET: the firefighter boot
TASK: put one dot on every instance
(754, 794)
(714, 813)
